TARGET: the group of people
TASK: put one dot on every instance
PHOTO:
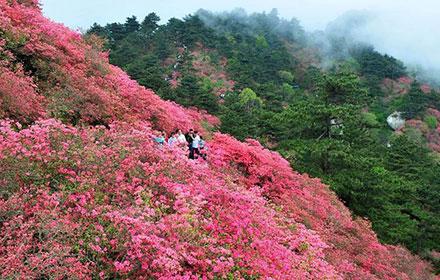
(192, 139)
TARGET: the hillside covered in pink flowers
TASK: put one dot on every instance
(85, 193)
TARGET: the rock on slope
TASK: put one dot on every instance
(95, 198)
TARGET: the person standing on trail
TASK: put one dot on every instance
(189, 136)
(195, 146)
(189, 139)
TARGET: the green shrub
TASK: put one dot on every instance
(370, 119)
(431, 121)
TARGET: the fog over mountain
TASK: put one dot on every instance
(404, 29)
(407, 38)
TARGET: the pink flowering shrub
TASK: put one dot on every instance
(215, 74)
(72, 80)
(396, 87)
(106, 203)
(432, 135)
(96, 198)
(352, 247)
(401, 86)
(98, 202)
(18, 97)
(434, 112)
(405, 80)
(425, 88)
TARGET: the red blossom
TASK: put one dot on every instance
(103, 201)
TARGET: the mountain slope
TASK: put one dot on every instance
(96, 198)
(322, 100)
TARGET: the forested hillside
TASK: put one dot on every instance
(87, 193)
(320, 100)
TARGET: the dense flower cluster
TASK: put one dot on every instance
(402, 86)
(352, 247)
(72, 80)
(99, 202)
(109, 199)
(105, 202)
(18, 97)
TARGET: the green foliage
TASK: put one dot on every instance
(148, 72)
(415, 164)
(287, 91)
(406, 157)
(98, 30)
(372, 63)
(286, 76)
(261, 42)
(131, 25)
(329, 136)
(370, 119)
(431, 121)
(191, 93)
(241, 115)
(249, 99)
(415, 136)
(415, 103)
(150, 23)
(344, 87)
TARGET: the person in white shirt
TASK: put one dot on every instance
(195, 146)
(181, 139)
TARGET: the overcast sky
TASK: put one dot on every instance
(407, 29)
(314, 14)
